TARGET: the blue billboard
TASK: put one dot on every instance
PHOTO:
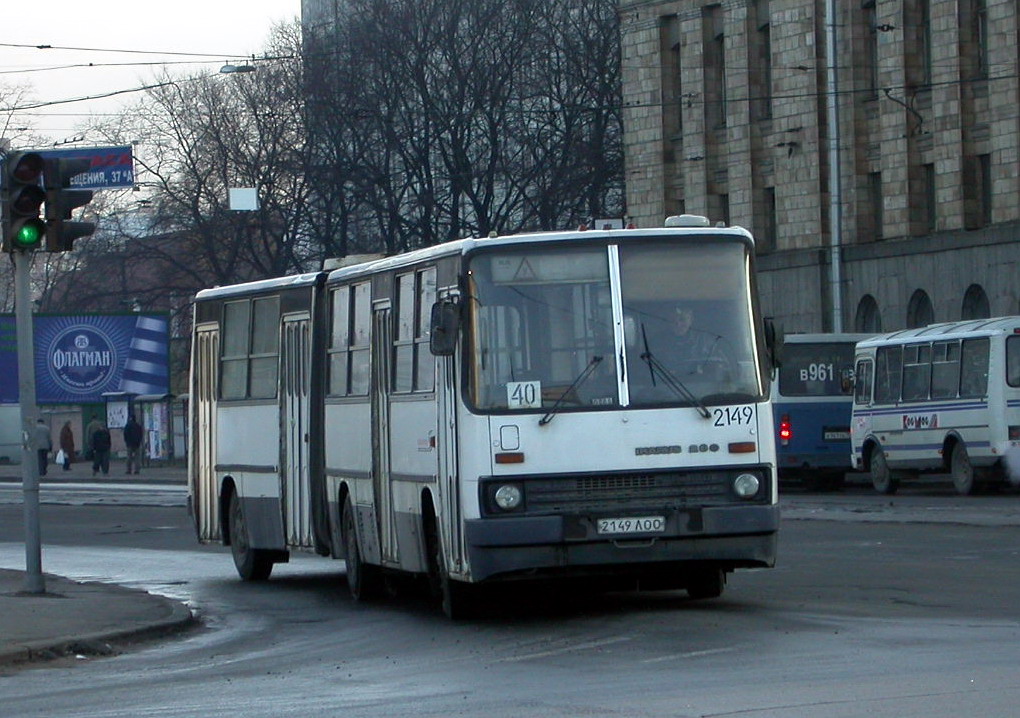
(110, 166)
(79, 357)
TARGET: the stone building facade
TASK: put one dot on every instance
(727, 115)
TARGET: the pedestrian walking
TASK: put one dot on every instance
(133, 435)
(67, 444)
(101, 450)
(43, 445)
(90, 429)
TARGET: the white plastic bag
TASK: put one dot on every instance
(60, 458)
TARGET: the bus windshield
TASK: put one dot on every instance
(541, 330)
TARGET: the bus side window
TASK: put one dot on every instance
(945, 370)
(1013, 360)
(916, 372)
(888, 374)
(862, 385)
(974, 368)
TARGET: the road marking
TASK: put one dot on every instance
(566, 649)
(689, 654)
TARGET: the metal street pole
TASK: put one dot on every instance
(34, 581)
(835, 172)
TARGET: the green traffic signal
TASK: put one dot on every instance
(21, 199)
(30, 234)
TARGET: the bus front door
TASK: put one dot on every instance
(202, 453)
(382, 341)
(294, 366)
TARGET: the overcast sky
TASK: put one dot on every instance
(227, 30)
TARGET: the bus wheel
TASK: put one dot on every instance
(705, 583)
(453, 596)
(881, 477)
(961, 470)
(252, 564)
(363, 580)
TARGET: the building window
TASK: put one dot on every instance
(981, 36)
(977, 191)
(924, 42)
(771, 225)
(868, 318)
(672, 117)
(875, 204)
(973, 21)
(923, 209)
(719, 208)
(870, 69)
(714, 66)
(975, 303)
(985, 189)
(919, 310)
(761, 62)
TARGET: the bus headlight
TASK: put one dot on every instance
(746, 486)
(508, 497)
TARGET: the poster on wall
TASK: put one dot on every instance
(78, 357)
(116, 414)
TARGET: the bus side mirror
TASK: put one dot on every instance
(774, 341)
(445, 326)
(847, 380)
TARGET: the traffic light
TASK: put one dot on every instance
(23, 230)
(60, 234)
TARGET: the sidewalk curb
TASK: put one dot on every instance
(98, 643)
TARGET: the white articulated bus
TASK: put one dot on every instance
(492, 410)
(943, 398)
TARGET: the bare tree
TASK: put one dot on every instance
(434, 119)
(195, 138)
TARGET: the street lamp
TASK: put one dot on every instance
(231, 68)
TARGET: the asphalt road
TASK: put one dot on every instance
(859, 618)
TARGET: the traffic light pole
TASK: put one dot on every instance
(34, 581)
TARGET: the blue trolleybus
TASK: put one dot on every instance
(811, 404)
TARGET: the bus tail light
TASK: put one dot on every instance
(785, 429)
(1014, 433)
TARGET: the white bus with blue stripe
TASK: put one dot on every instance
(943, 398)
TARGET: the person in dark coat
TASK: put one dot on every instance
(90, 429)
(67, 444)
(101, 449)
(133, 436)
(43, 445)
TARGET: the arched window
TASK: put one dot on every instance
(975, 304)
(919, 310)
(868, 318)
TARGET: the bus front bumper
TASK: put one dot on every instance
(738, 536)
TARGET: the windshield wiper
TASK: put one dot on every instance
(656, 367)
(585, 373)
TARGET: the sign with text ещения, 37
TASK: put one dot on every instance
(112, 167)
